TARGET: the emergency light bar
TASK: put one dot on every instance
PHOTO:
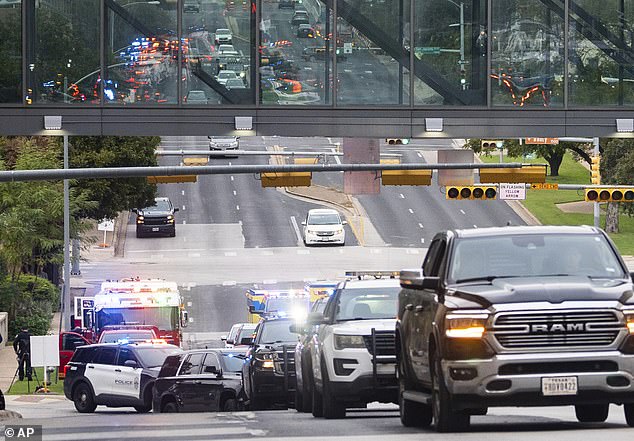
(375, 274)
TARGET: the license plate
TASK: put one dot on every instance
(552, 386)
(155, 228)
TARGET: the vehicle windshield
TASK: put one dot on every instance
(245, 332)
(232, 362)
(276, 331)
(367, 303)
(226, 74)
(113, 337)
(159, 206)
(288, 305)
(165, 318)
(324, 219)
(155, 356)
(487, 258)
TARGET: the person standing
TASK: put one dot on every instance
(22, 348)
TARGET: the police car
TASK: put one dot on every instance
(115, 375)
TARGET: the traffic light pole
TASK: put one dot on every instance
(597, 213)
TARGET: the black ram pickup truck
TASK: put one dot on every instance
(515, 316)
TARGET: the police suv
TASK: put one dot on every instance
(115, 375)
(353, 360)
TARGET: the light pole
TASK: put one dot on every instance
(149, 2)
(462, 61)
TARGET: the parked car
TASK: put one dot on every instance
(157, 219)
(305, 31)
(115, 375)
(217, 143)
(225, 75)
(235, 83)
(200, 380)
(269, 370)
(324, 225)
(300, 17)
(241, 335)
(68, 344)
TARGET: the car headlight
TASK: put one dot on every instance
(629, 321)
(266, 360)
(170, 217)
(465, 326)
(349, 341)
(140, 219)
(310, 232)
(339, 231)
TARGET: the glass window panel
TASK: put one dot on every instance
(372, 61)
(10, 52)
(141, 53)
(601, 60)
(217, 52)
(65, 60)
(527, 54)
(450, 44)
(296, 53)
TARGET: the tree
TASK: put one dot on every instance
(114, 195)
(617, 168)
(553, 154)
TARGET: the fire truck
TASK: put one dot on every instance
(131, 302)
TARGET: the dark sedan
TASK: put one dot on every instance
(200, 380)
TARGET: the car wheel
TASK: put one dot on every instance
(230, 405)
(333, 409)
(83, 399)
(629, 413)
(254, 402)
(306, 390)
(413, 414)
(445, 418)
(170, 407)
(317, 402)
(299, 400)
(592, 413)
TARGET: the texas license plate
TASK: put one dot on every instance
(155, 228)
(552, 386)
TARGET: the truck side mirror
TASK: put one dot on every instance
(251, 309)
(175, 209)
(131, 363)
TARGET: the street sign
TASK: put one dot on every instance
(547, 141)
(515, 192)
(426, 50)
(544, 186)
(106, 225)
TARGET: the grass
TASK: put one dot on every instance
(22, 387)
(543, 203)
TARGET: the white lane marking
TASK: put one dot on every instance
(230, 253)
(238, 207)
(240, 222)
(167, 250)
(402, 195)
(269, 282)
(410, 251)
(229, 283)
(183, 208)
(300, 251)
(376, 251)
(183, 192)
(411, 211)
(337, 160)
(266, 253)
(420, 225)
(462, 211)
(296, 228)
(184, 222)
(422, 240)
(232, 178)
(420, 155)
(235, 193)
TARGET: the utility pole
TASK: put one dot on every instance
(65, 316)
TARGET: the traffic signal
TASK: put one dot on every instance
(491, 144)
(479, 192)
(609, 194)
(397, 141)
(595, 170)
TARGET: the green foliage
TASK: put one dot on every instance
(114, 195)
(24, 387)
(30, 302)
(617, 165)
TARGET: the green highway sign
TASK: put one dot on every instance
(427, 50)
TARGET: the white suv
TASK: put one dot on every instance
(353, 362)
(324, 225)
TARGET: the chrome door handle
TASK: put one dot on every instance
(419, 308)
(117, 370)
(91, 367)
(409, 307)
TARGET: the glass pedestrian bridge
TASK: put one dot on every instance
(403, 68)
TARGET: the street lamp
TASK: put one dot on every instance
(462, 61)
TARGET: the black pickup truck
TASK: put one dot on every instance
(515, 316)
